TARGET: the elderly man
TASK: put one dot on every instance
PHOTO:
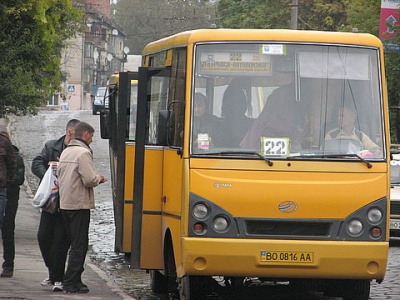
(77, 178)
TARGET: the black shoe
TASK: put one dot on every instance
(77, 289)
(83, 287)
(7, 273)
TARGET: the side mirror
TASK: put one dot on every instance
(166, 130)
(162, 130)
(105, 124)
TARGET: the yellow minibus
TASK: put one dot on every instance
(252, 153)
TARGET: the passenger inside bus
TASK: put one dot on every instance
(346, 130)
(277, 119)
(235, 123)
(206, 125)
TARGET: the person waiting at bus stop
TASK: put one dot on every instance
(8, 230)
(52, 237)
(9, 163)
(77, 177)
(7, 168)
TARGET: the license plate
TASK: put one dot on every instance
(394, 225)
(287, 256)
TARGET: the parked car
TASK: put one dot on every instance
(100, 100)
(395, 195)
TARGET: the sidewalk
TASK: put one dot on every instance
(30, 270)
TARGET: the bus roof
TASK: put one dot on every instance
(284, 35)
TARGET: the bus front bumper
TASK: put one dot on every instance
(283, 258)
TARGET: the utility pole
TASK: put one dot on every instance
(295, 10)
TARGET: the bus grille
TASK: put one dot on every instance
(288, 228)
(394, 207)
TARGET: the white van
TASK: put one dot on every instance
(100, 99)
(395, 196)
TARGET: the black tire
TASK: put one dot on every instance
(169, 266)
(357, 290)
(192, 287)
(159, 283)
(348, 289)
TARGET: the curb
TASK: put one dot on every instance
(111, 284)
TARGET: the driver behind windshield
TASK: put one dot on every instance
(347, 130)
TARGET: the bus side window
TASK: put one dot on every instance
(131, 112)
(177, 96)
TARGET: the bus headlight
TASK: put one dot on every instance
(355, 227)
(375, 215)
(207, 219)
(220, 224)
(200, 211)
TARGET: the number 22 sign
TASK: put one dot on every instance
(275, 146)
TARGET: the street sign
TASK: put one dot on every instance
(388, 18)
(71, 88)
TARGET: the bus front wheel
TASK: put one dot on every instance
(349, 289)
(192, 287)
(158, 282)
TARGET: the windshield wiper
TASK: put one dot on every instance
(369, 165)
(253, 153)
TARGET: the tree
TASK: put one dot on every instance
(362, 15)
(392, 77)
(146, 21)
(254, 13)
(275, 14)
(322, 14)
(33, 32)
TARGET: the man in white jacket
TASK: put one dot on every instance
(77, 178)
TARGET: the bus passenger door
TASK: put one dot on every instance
(113, 128)
(148, 168)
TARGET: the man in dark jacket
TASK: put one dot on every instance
(52, 237)
(9, 217)
(7, 168)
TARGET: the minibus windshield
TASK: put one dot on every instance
(287, 100)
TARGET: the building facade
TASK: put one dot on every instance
(91, 57)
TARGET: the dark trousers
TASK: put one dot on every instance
(53, 244)
(77, 224)
(7, 233)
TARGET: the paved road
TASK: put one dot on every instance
(30, 133)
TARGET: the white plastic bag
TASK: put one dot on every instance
(46, 196)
